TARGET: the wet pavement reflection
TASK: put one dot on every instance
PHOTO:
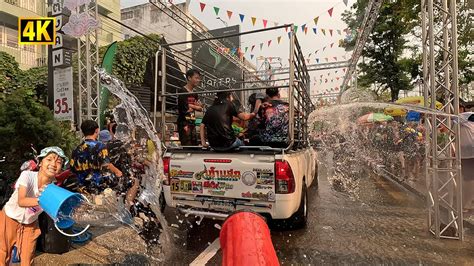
(382, 224)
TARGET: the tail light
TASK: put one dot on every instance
(285, 181)
(166, 170)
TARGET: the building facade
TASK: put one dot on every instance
(36, 55)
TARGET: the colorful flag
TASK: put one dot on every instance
(339, 32)
(264, 23)
(216, 9)
(246, 49)
(303, 27)
(279, 39)
(345, 2)
(317, 60)
(253, 46)
(261, 46)
(241, 18)
(330, 11)
(251, 56)
(316, 20)
(306, 30)
(323, 31)
(269, 42)
(330, 32)
(315, 31)
(229, 14)
(296, 28)
(253, 20)
(202, 5)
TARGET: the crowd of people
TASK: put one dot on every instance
(225, 126)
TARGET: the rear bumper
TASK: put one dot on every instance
(283, 207)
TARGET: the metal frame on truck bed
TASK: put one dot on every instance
(297, 82)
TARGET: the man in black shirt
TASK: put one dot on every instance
(187, 105)
(217, 123)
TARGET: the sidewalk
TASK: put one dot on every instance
(417, 187)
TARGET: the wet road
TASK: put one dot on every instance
(381, 223)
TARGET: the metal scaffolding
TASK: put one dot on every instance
(440, 79)
(88, 57)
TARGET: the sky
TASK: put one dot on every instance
(298, 12)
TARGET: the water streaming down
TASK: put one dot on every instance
(350, 149)
(138, 135)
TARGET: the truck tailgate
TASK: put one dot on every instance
(236, 176)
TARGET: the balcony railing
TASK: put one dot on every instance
(36, 6)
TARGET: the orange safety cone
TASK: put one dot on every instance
(245, 240)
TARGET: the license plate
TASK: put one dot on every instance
(222, 206)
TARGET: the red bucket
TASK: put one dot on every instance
(245, 240)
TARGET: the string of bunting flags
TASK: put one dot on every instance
(265, 22)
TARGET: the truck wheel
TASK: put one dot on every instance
(299, 219)
(301, 215)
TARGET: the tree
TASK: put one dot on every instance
(386, 63)
(24, 120)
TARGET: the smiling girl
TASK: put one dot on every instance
(19, 217)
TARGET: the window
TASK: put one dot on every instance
(29, 48)
(127, 15)
(12, 37)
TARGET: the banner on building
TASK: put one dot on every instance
(211, 61)
(63, 94)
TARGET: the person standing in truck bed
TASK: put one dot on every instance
(187, 106)
(274, 122)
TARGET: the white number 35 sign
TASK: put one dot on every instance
(63, 94)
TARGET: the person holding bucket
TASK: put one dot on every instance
(19, 217)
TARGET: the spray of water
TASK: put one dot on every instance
(136, 131)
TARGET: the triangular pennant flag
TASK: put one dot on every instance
(344, 69)
(310, 54)
(229, 14)
(306, 30)
(303, 27)
(335, 71)
(216, 9)
(253, 20)
(321, 76)
(286, 28)
(335, 58)
(323, 31)
(332, 44)
(271, 58)
(316, 51)
(315, 30)
(251, 56)
(246, 49)
(279, 39)
(329, 73)
(264, 23)
(327, 59)
(307, 60)
(330, 32)
(324, 48)
(316, 20)
(317, 60)
(332, 80)
(261, 46)
(339, 32)
(345, 2)
(330, 11)
(337, 78)
(296, 29)
(253, 46)
(241, 18)
(202, 5)
(269, 42)
(289, 35)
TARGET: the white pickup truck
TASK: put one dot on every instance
(271, 181)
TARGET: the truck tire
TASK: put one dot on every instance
(299, 219)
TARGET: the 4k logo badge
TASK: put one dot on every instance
(36, 30)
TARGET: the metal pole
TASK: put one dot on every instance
(156, 86)
(163, 94)
(291, 100)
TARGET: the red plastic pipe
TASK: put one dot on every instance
(245, 240)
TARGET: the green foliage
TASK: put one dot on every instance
(131, 58)
(24, 120)
(384, 64)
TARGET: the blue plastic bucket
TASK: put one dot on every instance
(59, 204)
(15, 257)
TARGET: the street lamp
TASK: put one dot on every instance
(225, 23)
